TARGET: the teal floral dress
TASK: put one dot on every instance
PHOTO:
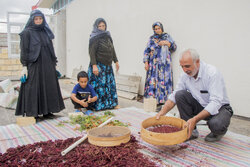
(102, 54)
(159, 80)
(104, 86)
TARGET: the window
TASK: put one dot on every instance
(59, 4)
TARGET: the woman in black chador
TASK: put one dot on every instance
(40, 91)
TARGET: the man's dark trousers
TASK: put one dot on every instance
(188, 107)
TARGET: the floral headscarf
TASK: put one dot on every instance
(96, 32)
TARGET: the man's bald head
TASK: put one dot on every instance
(190, 53)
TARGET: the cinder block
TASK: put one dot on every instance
(10, 68)
(5, 73)
(15, 67)
(15, 73)
(18, 61)
(20, 67)
(4, 55)
(5, 50)
(3, 68)
(6, 61)
(9, 99)
(6, 67)
(1, 73)
(150, 104)
(24, 121)
(8, 73)
(12, 61)
(5, 86)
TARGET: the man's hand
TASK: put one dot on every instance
(165, 109)
(161, 113)
(191, 123)
(95, 70)
(84, 103)
(158, 115)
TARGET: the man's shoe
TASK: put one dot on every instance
(212, 137)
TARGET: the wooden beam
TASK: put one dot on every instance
(128, 83)
(127, 95)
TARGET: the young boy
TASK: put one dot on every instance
(83, 94)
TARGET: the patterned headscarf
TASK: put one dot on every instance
(158, 24)
(31, 25)
(96, 32)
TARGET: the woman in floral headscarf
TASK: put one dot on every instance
(157, 60)
(100, 72)
(40, 91)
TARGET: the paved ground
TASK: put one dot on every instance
(238, 124)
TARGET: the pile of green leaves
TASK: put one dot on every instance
(89, 122)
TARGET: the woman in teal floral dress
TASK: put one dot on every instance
(157, 60)
(100, 72)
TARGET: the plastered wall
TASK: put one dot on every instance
(218, 29)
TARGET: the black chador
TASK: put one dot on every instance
(40, 94)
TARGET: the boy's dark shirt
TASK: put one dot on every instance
(81, 92)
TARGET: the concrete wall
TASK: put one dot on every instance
(60, 41)
(219, 30)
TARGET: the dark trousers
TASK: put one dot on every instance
(188, 107)
(77, 106)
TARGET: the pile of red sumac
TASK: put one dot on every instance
(164, 129)
(48, 153)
